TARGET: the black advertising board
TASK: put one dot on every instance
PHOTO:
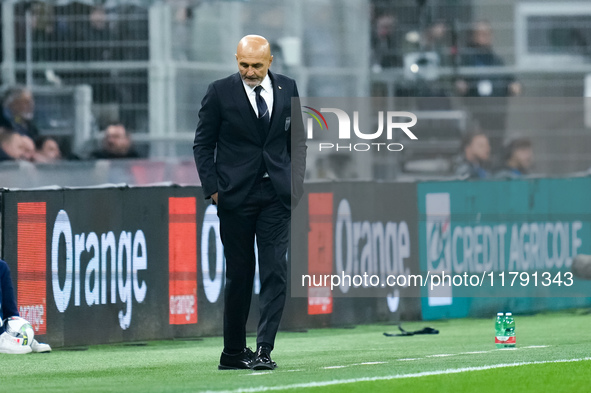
(355, 230)
(114, 269)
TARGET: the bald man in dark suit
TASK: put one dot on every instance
(250, 155)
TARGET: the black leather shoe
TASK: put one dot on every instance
(240, 361)
(263, 361)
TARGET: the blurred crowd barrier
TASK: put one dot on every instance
(24, 174)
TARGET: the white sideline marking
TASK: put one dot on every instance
(370, 363)
(270, 372)
(404, 360)
(390, 377)
(503, 349)
(441, 355)
(331, 367)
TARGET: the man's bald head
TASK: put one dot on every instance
(254, 59)
(251, 44)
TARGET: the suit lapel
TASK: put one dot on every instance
(278, 103)
(243, 104)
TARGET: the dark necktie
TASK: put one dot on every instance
(262, 107)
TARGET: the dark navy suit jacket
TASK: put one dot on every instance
(229, 147)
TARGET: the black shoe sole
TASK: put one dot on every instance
(263, 366)
(220, 367)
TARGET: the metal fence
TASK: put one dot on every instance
(149, 63)
(90, 173)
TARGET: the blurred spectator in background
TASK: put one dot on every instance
(436, 38)
(474, 157)
(18, 107)
(44, 32)
(518, 159)
(116, 144)
(11, 145)
(479, 53)
(47, 150)
(385, 43)
(100, 40)
(491, 113)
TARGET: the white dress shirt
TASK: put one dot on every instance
(266, 93)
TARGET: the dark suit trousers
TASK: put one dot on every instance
(263, 215)
(8, 306)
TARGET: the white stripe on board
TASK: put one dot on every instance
(390, 377)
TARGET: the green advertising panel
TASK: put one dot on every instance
(502, 245)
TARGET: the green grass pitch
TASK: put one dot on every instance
(553, 355)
